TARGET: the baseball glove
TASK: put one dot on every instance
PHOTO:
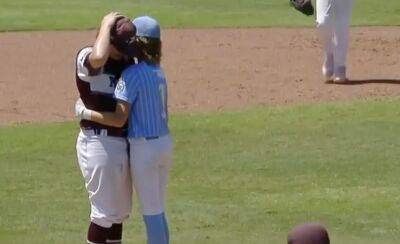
(304, 6)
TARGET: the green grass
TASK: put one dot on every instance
(238, 177)
(78, 14)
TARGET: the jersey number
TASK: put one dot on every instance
(163, 94)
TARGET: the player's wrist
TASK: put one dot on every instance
(86, 114)
(81, 111)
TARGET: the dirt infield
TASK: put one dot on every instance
(207, 69)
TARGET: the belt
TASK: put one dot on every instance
(151, 138)
(143, 139)
(104, 132)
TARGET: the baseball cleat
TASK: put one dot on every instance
(340, 75)
(327, 67)
(340, 79)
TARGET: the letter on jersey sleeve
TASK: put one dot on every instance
(126, 89)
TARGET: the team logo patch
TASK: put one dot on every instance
(120, 86)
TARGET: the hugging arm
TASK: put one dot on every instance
(125, 95)
(117, 118)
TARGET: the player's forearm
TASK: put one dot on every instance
(116, 119)
(108, 118)
(101, 48)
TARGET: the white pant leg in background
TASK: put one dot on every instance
(343, 9)
(333, 22)
(104, 163)
(325, 24)
(150, 164)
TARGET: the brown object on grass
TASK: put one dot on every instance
(309, 234)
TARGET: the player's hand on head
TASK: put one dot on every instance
(109, 19)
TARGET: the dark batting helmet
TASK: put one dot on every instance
(123, 36)
(308, 234)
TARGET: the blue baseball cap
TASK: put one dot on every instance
(147, 26)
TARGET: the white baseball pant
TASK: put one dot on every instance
(150, 164)
(104, 163)
(333, 21)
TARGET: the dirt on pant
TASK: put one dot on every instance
(207, 69)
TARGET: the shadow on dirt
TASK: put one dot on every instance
(369, 81)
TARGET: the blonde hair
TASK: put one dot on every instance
(151, 48)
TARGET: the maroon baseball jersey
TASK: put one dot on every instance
(96, 88)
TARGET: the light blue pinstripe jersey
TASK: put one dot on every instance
(144, 86)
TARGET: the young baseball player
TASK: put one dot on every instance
(333, 21)
(102, 150)
(142, 97)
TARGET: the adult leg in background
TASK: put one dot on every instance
(325, 25)
(342, 9)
